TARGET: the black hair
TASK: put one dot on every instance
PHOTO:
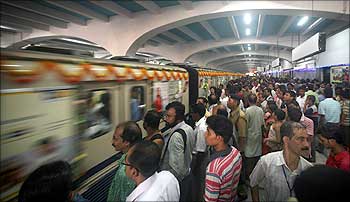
(235, 97)
(212, 99)
(332, 131)
(205, 100)
(49, 182)
(294, 114)
(280, 114)
(328, 92)
(145, 156)
(252, 98)
(288, 128)
(131, 132)
(152, 119)
(322, 183)
(310, 86)
(222, 126)
(198, 108)
(222, 112)
(346, 93)
(312, 98)
(179, 109)
(272, 105)
(292, 93)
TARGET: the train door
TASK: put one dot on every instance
(98, 112)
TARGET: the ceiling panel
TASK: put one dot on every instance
(200, 31)
(44, 3)
(242, 26)
(235, 48)
(96, 8)
(166, 38)
(222, 27)
(272, 24)
(294, 28)
(130, 5)
(163, 4)
(181, 34)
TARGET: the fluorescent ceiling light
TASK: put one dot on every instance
(303, 20)
(6, 27)
(247, 31)
(248, 44)
(316, 22)
(250, 55)
(249, 48)
(247, 18)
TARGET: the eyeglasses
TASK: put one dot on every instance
(127, 164)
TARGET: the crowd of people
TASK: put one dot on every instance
(257, 133)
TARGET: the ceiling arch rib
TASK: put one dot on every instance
(247, 60)
(42, 10)
(16, 12)
(77, 8)
(214, 60)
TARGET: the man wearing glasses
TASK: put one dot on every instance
(125, 136)
(141, 165)
(178, 146)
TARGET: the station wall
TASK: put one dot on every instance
(337, 50)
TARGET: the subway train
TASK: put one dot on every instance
(66, 107)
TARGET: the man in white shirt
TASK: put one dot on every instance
(302, 97)
(275, 172)
(200, 150)
(141, 164)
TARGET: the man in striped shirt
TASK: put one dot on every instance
(225, 163)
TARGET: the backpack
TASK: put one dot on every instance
(184, 138)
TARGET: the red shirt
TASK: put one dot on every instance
(341, 160)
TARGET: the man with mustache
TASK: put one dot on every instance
(275, 172)
(178, 147)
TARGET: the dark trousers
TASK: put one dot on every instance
(185, 188)
(199, 167)
(250, 165)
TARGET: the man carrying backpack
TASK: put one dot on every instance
(177, 151)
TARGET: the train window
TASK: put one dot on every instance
(97, 115)
(137, 102)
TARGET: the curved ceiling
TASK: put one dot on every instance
(214, 39)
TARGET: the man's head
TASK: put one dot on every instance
(151, 120)
(233, 101)
(295, 137)
(289, 96)
(197, 111)
(301, 91)
(219, 130)
(202, 100)
(328, 92)
(142, 161)
(310, 100)
(175, 113)
(125, 135)
(50, 182)
(212, 99)
(290, 86)
(330, 135)
(252, 99)
(278, 115)
(294, 114)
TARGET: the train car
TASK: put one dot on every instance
(58, 107)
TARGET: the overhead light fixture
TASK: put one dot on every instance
(314, 23)
(250, 55)
(303, 20)
(247, 31)
(247, 18)
(249, 48)
(6, 27)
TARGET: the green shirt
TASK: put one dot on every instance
(121, 185)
